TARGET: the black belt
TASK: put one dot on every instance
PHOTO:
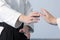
(10, 33)
(1, 23)
(6, 25)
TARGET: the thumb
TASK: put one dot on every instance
(21, 30)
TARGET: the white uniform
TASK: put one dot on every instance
(10, 10)
(58, 22)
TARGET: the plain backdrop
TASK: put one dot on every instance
(42, 29)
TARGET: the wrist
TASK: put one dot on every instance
(54, 21)
(26, 26)
(21, 18)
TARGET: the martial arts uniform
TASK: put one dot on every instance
(10, 10)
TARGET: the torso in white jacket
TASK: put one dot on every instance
(10, 10)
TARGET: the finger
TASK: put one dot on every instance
(35, 20)
(35, 14)
(45, 12)
(42, 14)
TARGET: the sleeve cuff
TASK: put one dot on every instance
(10, 16)
(31, 27)
(13, 21)
(58, 22)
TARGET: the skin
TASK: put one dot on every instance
(48, 17)
(26, 32)
(33, 15)
(31, 18)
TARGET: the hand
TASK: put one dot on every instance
(48, 17)
(31, 18)
(26, 32)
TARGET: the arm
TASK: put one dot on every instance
(11, 16)
(7, 14)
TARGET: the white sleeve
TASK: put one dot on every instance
(8, 15)
(58, 22)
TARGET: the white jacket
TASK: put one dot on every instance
(58, 22)
(10, 10)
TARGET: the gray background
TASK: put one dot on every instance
(42, 29)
